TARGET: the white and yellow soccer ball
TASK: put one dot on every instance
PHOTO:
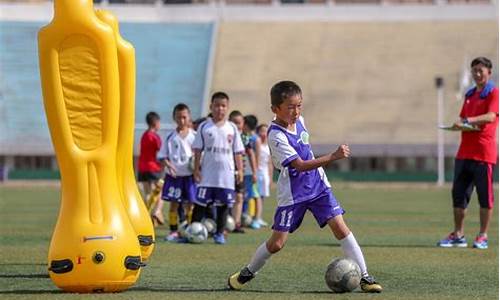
(230, 224)
(210, 225)
(343, 275)
(246, 220)
(196, 233)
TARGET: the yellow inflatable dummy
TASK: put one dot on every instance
(94, 247)
(136, 209)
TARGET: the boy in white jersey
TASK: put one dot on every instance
(302, 186)
(221, 145)
(175, 154)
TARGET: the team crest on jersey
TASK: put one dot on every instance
(230, 138)
(304, 137)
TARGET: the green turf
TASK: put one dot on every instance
(397, 229)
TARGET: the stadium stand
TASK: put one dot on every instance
(167, 56)
(369, 84)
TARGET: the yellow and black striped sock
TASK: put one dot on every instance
(172, 220)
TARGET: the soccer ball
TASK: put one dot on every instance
(343, 275)
(210, 225)
(230, 224)
(246, 220)
(196, 233)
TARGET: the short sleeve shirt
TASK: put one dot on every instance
(219, 144)
(177, 150)
(285, 147)
(480, 145)
(150, 144)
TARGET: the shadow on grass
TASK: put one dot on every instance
(381, 245)
(227, 290)
(30, 292)
(22, 264)
(24, 276)
(167, 290)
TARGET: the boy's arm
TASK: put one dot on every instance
(171, 168)
(239, 167)
(306, 165)
(196, 171)
(252, 157)
(271, 169)
(258, 143)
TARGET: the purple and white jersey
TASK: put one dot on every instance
(218, 144)
(177, 150)
(286, 146)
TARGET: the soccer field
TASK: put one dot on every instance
(397, 229)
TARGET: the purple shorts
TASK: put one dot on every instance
(323, 208)
(179, 189)
(215, 196)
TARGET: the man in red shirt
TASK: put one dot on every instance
(149, 166)
(476, 155)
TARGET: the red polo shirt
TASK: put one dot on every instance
(480, 145)
(150, 145)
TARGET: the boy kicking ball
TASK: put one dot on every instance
(302, 185)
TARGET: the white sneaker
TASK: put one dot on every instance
(262, 223)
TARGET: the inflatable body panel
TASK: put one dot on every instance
(94, 247)
(132, 200)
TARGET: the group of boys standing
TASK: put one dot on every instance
(213, 167)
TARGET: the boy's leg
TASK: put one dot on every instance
(286, 220)
(172, 215)
(351, 250)
(188, 210)
(181, 213)
(274, 244)
(348, 243)
(326, 210)
(222, 212)
(236, 212)
(198, 213)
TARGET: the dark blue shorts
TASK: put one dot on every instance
(469, 174)
(148, 176)
(323, 208)
(179, 189)
(216, 196)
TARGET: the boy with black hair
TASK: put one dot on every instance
(176, 154)
(149, 167)
(220, 143)
(302, 186)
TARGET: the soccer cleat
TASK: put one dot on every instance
(481, 242)
(370, 285)
(262, 223)
(238, 280)
(255, 224)
(219, 238)
(172, 236)
(238, 229)
(453, 241)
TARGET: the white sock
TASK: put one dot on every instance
(351, 250)
(259, 258)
